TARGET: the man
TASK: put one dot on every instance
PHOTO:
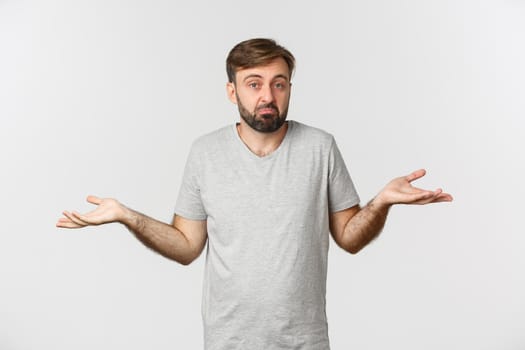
(264, 194)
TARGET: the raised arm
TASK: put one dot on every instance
(182, 241)
(355, 227)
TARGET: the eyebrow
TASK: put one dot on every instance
(260, 76)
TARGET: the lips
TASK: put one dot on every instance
(267, 111)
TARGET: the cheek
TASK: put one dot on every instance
(283, 99)
(247, 101)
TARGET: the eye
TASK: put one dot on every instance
(280, 85)
(253, 85)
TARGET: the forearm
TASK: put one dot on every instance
(163, 238)
(364, 226)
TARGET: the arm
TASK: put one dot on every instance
(182, 241)
(355, 227)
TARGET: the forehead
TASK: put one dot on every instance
(276, 67)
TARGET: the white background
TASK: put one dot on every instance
(105, 97)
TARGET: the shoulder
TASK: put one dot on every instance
(312, 135)
(212, 140)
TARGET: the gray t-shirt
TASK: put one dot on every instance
(268, 235)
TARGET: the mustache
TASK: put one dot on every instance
(268, 105)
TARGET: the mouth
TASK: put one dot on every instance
(267, 112)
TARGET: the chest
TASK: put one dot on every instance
(285, 188)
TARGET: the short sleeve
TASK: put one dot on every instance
(341, 191)
(189, 202)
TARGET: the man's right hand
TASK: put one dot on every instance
(107, 210)
(182, 241)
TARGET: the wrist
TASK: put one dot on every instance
(128, 216)
(379, 203)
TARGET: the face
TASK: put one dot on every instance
(262, 95)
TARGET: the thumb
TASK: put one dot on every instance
(94, 199)
(416, 175)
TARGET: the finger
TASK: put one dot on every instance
(437, 198)
(443, 197)
(94, 199)
(416, 175)
(81, 218)
(437, 192)
(74, 219)
(91, 218)
(65, 223)
(415, 190)
(448, 197)
(418, 198)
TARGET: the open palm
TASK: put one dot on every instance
(401, 191)
(107, 210)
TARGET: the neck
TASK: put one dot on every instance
(260, 143)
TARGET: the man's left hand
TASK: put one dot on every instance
(401, 191)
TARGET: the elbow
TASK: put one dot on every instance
(183, 259)
(349, 246)
(354, 246)
(186, 260)
(353, 250)
(189, 257)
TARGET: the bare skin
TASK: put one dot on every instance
(182, 241)
(354, 228)
(254, 89)
(257, 87)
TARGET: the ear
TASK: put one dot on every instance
(230, 91)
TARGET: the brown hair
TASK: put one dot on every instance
(256, 52)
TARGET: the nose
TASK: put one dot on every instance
(267, 94)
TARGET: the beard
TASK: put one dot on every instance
(266, 122)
